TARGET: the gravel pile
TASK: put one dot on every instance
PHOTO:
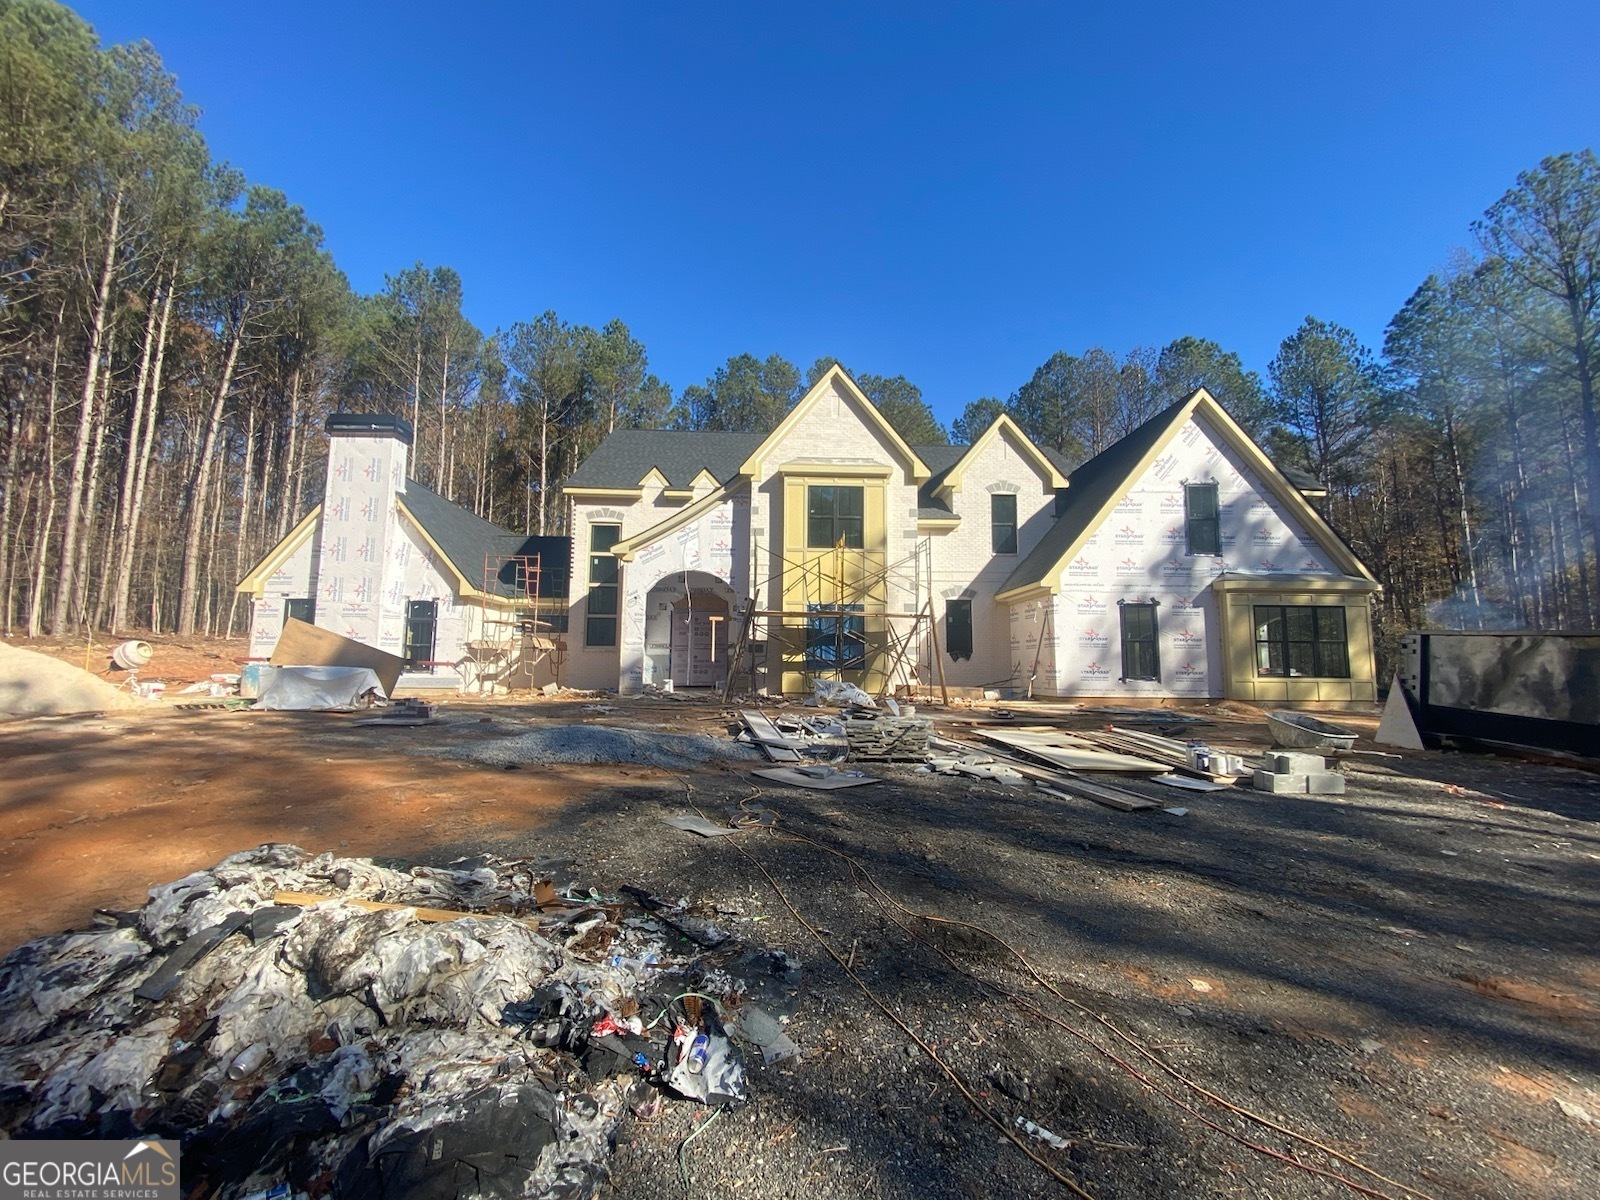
(588, 744)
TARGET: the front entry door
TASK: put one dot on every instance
(422, 623)
(699, 647)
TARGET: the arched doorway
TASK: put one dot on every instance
(687, 619)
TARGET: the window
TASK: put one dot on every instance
(1200, 511)
(836, 643)
(833, 516)
(1140, 659)
(958, 629)
(601, 627)
(1003, 523)
(1301, 641)
(300, 610)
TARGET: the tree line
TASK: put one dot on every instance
(172, 337)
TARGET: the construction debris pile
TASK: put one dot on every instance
(325, 1025)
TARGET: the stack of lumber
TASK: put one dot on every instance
(1070, 752)
(1171, 754)
(1061, 783)
(887, 739)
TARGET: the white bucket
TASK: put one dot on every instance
(130, 656)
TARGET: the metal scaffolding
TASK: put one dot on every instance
(513, 639)
(842, 595)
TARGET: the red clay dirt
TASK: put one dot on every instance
(94, 811)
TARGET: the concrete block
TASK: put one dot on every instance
(1325, 783)
(1288, 762)
(1272, 781)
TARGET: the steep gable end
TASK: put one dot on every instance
(1001, 428)
(834, 388)
(1095, 489)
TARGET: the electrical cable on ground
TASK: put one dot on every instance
(683, 1150)
(858, 869)
(977, 1105)
(1027, 1005)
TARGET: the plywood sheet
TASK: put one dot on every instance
(1071, 757)
(303, 645)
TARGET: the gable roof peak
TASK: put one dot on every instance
(837, 377)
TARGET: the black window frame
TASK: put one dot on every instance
(958, 628)
(828, 521)
(1003, 534)
(1207, 526)
(603, 607)
(306, 610)
(1136, 645)
(837, 641)
(1277, 653)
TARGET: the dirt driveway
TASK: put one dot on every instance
(1406, 976)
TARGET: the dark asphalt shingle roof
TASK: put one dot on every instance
(626, 457)
(1088, 490)
(471, 543)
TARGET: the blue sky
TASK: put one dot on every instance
(949, 192)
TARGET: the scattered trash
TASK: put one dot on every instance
(838, 694)
(1040, 1134)
(816, 778)
(1578, 1113)
(409, 712)
(1011, 1085)
(1200, 985)
(691, 823)
(1177, 812)
(358, 1046)
(766, 1034)
(1188, 784)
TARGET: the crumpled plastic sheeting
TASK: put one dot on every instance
(109, 1075)
(45, 978)
(363, 1028)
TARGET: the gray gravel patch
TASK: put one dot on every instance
(589, 744)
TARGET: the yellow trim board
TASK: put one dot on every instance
(815, 468)
(255, 583)
(626, 548)
(464, 585)
(1228, 429)
(603, 493)
(1293, 582)
(867, 411)
(1001, 426)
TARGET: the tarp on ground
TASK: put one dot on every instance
(318, 687)
(305, 645)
